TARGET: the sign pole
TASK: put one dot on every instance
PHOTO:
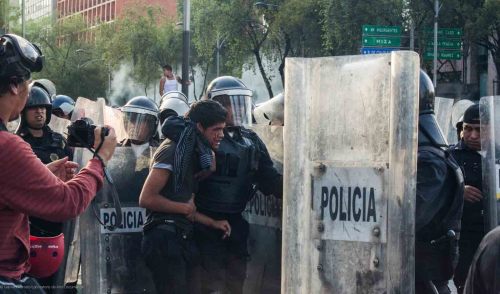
(436, 15)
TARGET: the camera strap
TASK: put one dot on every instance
(116, 199)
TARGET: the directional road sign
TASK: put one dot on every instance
(450, 55)
(381, 41)
(371, 30)
(371, 50)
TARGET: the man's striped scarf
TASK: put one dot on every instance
(189, 141)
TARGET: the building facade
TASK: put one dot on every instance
(36, 9)
(96, 12)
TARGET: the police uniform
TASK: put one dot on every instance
(473, 227)
(439, 201)
(242, 161)
(50, 147)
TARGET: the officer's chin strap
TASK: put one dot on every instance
(116, 200)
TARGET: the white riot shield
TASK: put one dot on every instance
(263, 213)
(443, 108)
(349, 175)
(59, 125)
(489, 111)
(100, 114)
(111, 259)
(271, 112)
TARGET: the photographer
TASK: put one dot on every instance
(27, 186)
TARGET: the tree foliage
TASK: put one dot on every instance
(144, 39)
(70, 62)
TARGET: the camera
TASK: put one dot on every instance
(81, 133)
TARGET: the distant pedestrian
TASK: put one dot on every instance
(169, 82)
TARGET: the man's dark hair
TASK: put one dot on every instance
(207, 113)
(167, 67)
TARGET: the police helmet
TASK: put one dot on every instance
(233, 94)
(426, 96)
(18, 57)
(47, 85)
(173, 103)
(38, 98)
(140, 119)
(62, 105)
(429, 132)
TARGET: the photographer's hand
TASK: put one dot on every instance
(108, 147)
(63, 169)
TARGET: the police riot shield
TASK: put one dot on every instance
(263, 213)
(111, 256)
(100, 114)
(443, 109)
(271, 112)
(59, 125)
(350, 174)
(489, 111)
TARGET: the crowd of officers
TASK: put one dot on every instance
(207, 166)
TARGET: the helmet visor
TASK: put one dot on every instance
(241, 110)
(30, 55)
(140, 127)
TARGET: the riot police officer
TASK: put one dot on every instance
(466, 153)
(242, 165)
(439, 201)
(173, 103)
(35, 117)
(140, 120)
(63, 106)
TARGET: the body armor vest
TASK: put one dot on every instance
(49, 148)
(231, 186)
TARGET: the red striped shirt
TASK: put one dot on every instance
(27, 187)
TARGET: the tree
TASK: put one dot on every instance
(486, 30)
(144, 39)
(237, 23)
(343, 20)
(296, 30)
(71, 63)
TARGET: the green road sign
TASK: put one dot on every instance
(450, 55)
(446, 44)
(446, 32)
(369, 30)
(381, 41)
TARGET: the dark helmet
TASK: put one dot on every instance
(18, 57)
(173, 103)
(426, 95)
(232, 92)
(140, 110)
(63, 103)
(429, 132)
(37, 98)
(47, 85)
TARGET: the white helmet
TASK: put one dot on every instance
(173, 103)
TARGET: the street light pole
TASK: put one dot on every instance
(186, 47)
